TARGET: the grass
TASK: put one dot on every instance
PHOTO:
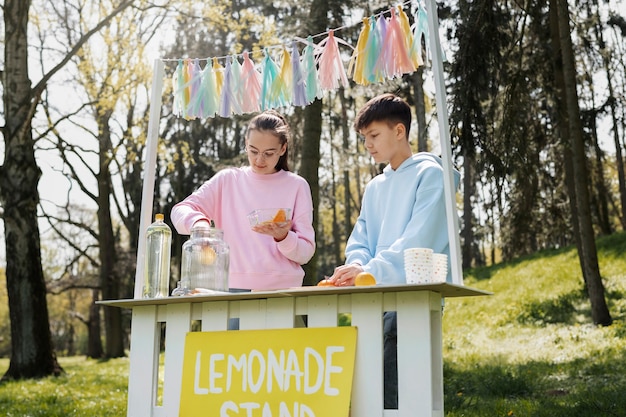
(89, 388)
(529, 350)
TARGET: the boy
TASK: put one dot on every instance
(404, 207)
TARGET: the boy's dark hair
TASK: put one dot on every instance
(273, 122)
(384, 108)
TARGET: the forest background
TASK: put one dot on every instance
(535, 102)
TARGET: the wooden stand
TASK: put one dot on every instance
(420, 363)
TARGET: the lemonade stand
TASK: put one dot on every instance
(184, 362)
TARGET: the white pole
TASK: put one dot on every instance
(444, 138)
(149, 170)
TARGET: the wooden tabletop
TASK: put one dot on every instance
(445, 289)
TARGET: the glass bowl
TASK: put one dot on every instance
(279, 215)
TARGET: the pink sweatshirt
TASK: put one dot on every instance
(257, 262)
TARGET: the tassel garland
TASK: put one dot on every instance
(388, 47)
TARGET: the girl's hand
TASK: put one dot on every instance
(278, 231)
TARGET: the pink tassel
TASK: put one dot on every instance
(331, 69)
(250, 79)
(394, 60)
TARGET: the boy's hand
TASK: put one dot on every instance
(344, 275)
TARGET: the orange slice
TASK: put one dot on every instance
(325, 283)
(280, 216)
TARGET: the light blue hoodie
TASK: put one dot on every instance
(401, 209)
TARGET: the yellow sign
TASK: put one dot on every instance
(268, 373)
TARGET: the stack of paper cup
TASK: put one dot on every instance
(418, 265)
(440, 267)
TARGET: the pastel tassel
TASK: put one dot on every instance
(187, 76)
(236, 86)
(270, 73)
(218, 70)
(331, 70)
(226, 93)
(309, 71)
(207, 94)
(195, 79)
(394, 59)
(406, 27)
(381, 28)
(372, 52)
(420, 28)
(298, 87)
(250, 79)
(283, 85)
(178, 88)
(357, 60)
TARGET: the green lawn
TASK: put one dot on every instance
(89, 388)
(531, 349)
(528, 350)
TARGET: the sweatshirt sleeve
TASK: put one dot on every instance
(299, 245)
(197, 206)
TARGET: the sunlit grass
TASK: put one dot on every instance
(531, 348)
(88, 388)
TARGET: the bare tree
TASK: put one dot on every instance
(32, 352)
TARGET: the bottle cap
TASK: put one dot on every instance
(158, 217)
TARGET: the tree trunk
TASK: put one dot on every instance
(601, 194)
(588, 254)
(311, 142)
(32, 353)
(109, 281)
(336, 231)
(94, 341)
(619, 160)
(345, 146)
(420, 109)
(467, 232)
(309, 171)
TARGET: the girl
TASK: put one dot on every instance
(267, 256)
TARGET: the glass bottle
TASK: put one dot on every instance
(205, 261)
(158, 252)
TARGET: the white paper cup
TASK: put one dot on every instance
(440, 267)
(418, 265)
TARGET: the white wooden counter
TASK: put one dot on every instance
(420, 364)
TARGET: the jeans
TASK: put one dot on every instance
(390, 360)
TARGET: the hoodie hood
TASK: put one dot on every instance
(420, 158)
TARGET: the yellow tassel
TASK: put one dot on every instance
(218, 69)
(357, 61)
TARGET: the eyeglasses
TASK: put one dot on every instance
(265, 154)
